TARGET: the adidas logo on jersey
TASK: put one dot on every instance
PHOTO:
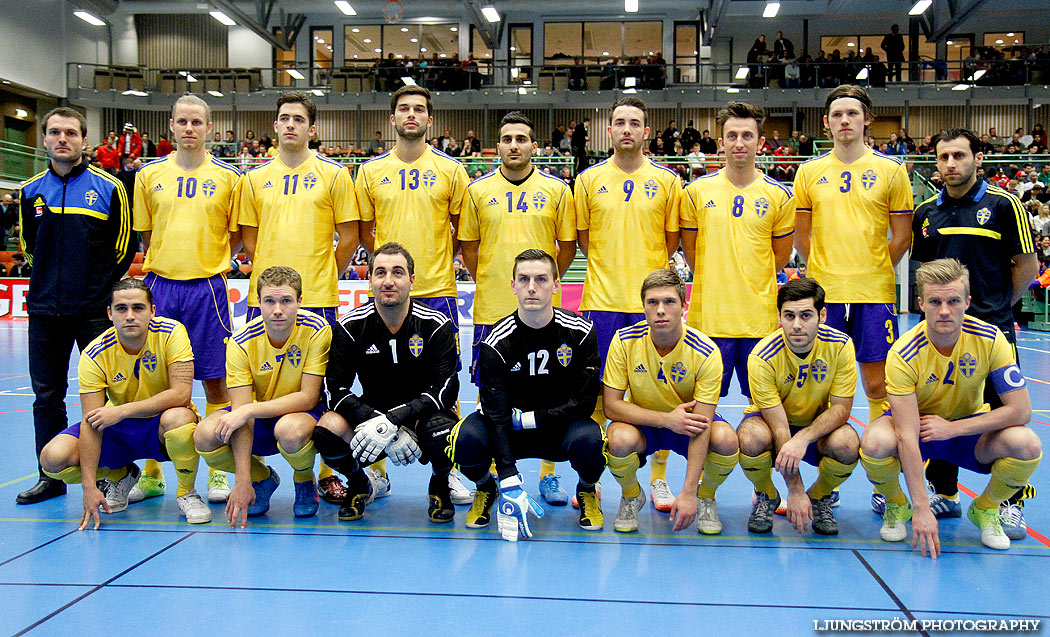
(517, 367)
(119, 377)
(266, 367)
(384, 181)
(710, 203)
(932, 379)
(268, 184)
(640, 369)
(158, 188)
(492, 202)
(372, 349)
(602, 190)
(822, 180)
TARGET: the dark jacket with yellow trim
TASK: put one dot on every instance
(76, 233)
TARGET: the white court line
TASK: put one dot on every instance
(1032, 349)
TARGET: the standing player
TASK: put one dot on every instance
(673, 373)
(135, 393)
(846, 201)
(736, 233)
(413, 194)
(289, 210)
(184, 215)
(514, 208)
(274, 368)
(802, 377)
(539, 382)
(935, 375)
(404, 354)
(986, 229)
(627, 226)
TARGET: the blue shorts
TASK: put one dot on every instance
(657, 438)
(872, 326)
(264, 443)
(129, 440)
(449, 306)
(812, 456)
(734, 356)
(605, 326)
(327, 313)
(958, 451)
(480, 332)
(203, 306)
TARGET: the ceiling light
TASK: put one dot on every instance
(851, 44)
(442, 55)
(977, 75)
(1010, 35)
(490, 13)
(190, 78)
(21, 112)
(863, 75)
(630, 90)
(345, 7)
(404, 29)
(732, 90)
(379, 50)
(630, 6)
(367, 40)
(771, 10)
(423, 49)
(950, 42)
(413, 39)
(408, 81)
(741, 73)
(90, 19)
(135, 93)
(222, 17)
(605, 53)
(920, 7)
(998, 41)
(318, 92)
(960, 87)
(296, 74)
(320, 40)
(630, 82)
(356, 30)
(453, 29)
(215, 93)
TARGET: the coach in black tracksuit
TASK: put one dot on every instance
(76, 233)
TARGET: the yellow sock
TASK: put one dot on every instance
(302, 461)
(625, 470)
(222, 460)
(546, 468)
(759, 470)
(658, 465)
(830, 474)
(716, 469)
(113, 475)
(598, 415)
(1008, 475)
(877, 407)
(325, 471)
(884, 474)
(380, 466)
(209, 408)
(152, 468)
(69, 475)
(179, 445)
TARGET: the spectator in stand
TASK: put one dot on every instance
(461, 272)
(249, 138)
(164, 146)
(1037, 192)
(877, 73)
(1041, 221)
(8, 217)
(1039, 135)
(893, 45)
(783, 48)
(926, 147)
(149, 149)
(471, 145)
(20, 269)
(453, 149)
(557, 135)
(805, 145)
(774, 142)
(566, 176)
(445, 138)
(1044, 175)
(670, 134)
(130, 144)
(756, 55)
(376, 145)
(579, 144)
(656, 147)
(708, 146)
(690, 136)
(108, 156)
(792, 74)
(577, 75)
(896, 146)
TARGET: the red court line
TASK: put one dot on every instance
(15, 411)
(1040, 422)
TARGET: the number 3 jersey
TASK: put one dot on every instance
(803, 385)
(408, 375)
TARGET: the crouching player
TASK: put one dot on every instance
(935, 375)
(674, 375)
(539, 383)
(135, 385)
(274, 368)
(802, 379)
(404, 353)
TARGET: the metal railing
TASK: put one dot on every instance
(19, 162)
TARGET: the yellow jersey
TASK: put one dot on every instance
(272, 372)
(952, 387)
(851, 206)
(413, 204)
(735, 280)
(691, 371)
(190, 215)
(129, 377)
(296, 211)
(626, 215)
(508, 218)
(804, 386)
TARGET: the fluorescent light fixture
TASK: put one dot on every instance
(630, 90)
(960, 87)
(296, 74)
(367, 40)
(408, 81)
(90, 19)
(453, 29)
(413, 39)
(605, 53)
(378, 50)
(741, 73)
(404, 29)
(514, 72)
(630, 6)
(345, 7)
(190, 78)
(318, 92)
(920, 7)
(976, 76)
(526, 82)
(732, 89)
(771, 10)
(222, 17)
(490, 13)
(135, 93)
(523, 91)
(215, 93)
(21, 112)
(863, 75)
(630, 82)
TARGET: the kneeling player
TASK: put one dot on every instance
(802, 379)
(274, 368)
(674, 374)
(135, 385)
(539, 383)
(404, 353)
(934, 375)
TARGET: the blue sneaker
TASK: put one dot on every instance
(263, 490)
(943, 507)
(878, 503)
(305, 499)
(1013, 520)
(552, 492)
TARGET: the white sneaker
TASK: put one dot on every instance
(707, 521)
(193, 508)
(460, 493)
(117, 492)
(218, 487)
(661, 495)
(627, 517)
(380, 484)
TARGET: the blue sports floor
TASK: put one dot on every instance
(145, 571)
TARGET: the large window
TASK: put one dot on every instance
(478, 49)
(402, 42)
(520, 54)
(859, 45)
(599, 42)
(1004, 39)
(361, 44)
(321, 53)
(686, 51)
(282, 62)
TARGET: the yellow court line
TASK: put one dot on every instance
(16, 480)
(1036, 380)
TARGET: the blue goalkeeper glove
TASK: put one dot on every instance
(522, 419)
(515, 504)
